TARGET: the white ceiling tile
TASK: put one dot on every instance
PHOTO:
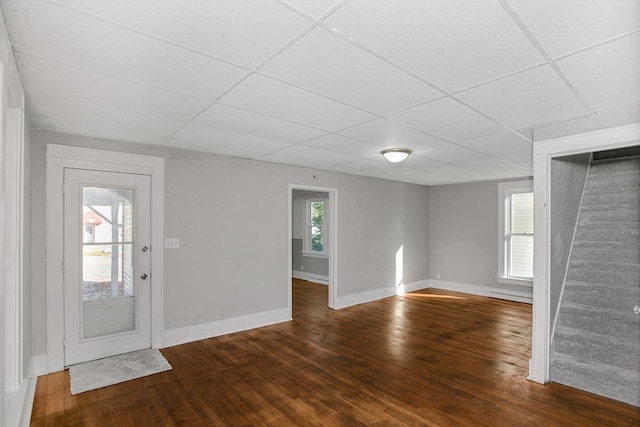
(95, 130)
(315, 8)
(453, 44)
(310, 164)
(499, 144)
(308, 154)
(451, 153)
(59, 33)
(464, 174)
(211, 148)
(495, 167)
(391, 135)
(236, 119)
(276, 99)
(230, 139)
(54, 78)
(231, 29)
(428, 178)
(533, 97)
(608, 75)
(44, 106)
(525, 161)
(329, 65)
(376, 167)
(568, 25)
(417, 162)
(448, 119)
(345, 145)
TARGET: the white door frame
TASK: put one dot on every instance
(63, 156)
(543, 152)
(333, 242)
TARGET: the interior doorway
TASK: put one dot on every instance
(312, 239)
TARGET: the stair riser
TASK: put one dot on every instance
(616, 278)
(625, 359)
(621, 215)
(615, 299)
(612, 200)
(605, 255)
(614, 167)
(620, 393)
(628, 330)
(609, 266)
(613, 233)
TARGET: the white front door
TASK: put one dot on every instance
(107, 277)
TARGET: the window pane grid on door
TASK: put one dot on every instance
(107, 247)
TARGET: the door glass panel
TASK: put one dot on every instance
(107, 261)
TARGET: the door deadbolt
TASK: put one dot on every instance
(145, 248)
(144, 276)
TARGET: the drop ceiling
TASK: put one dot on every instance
(329, 84)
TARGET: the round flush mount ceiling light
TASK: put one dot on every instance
(395, 155)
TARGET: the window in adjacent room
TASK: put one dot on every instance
(516, 232)
(315, 234)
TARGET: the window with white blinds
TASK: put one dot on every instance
(520, 238)
(516, 232)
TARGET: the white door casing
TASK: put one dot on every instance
(60, 157)
(101, 320)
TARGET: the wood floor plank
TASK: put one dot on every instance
(428, 358)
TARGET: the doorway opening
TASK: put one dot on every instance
(312, 242)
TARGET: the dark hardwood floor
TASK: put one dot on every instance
(429, 358)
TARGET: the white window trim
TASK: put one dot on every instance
(306, 238)
(505, 190)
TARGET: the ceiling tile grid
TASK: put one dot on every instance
(328, 84)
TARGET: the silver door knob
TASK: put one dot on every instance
(636, 309)
(144, 276)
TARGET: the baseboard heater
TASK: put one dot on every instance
(512, 296)
(316, 278)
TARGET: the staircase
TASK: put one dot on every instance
(596, 346)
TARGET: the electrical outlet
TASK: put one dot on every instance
(437, 275)
(172, 243)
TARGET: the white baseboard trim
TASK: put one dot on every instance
(526, 297)
(364, 297)
(20, 402)
(310, 277)
(202, 331)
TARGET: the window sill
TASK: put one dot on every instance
(315, 255)
(513, 281)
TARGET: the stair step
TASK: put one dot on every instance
(590, 215)
(615, 383)
(620, 324)
(602, 296)
(631, 255)
(605, 266)
(614, 166)
(626, 181)
(612, 199)
(590, 275)
(598, 348)
(608, 232)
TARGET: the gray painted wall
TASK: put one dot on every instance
(232, 265)
(567, 177)
(299, 262)
(464, 234)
